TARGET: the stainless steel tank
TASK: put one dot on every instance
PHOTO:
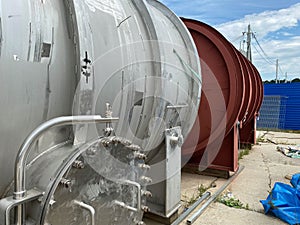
(71, 57)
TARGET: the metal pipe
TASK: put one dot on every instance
(123, 205)
(138, 187)
(190, 209)
(88, 208)
(196, 215)
(20, 163)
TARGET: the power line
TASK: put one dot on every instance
(263, 57)
(262, 52)
(236, 39)
(281, 71)
(262, 49)
(268, 59)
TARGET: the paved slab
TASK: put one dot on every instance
(279, 137)
(219, 214)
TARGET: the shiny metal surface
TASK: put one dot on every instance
(37, 76)
(115, 194)
(166, 199)
(21, 160)
(71, 57)
(143, 68)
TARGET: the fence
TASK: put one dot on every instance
(272, 112)
(281, 107)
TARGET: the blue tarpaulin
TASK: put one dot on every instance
(284, 201)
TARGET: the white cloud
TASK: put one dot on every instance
(286, 34)
(287, 50)
(288, 53)
(263, 23)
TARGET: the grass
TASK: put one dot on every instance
(243, 152)
(200, 191)
(260, 139)
(232, 202)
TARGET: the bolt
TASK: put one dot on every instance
(52, 202)
(140, 223)
(125, 142)
(106, 142)
(144, 166)
(108, 131)
(78, 164)
(148, 194)
(116, 140)
(91, 151)
(66, 183)
(140, 155)
(146, 209)
(174, 141)
(133, 147)
(146, 179)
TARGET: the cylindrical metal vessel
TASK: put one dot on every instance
(71, 57)
(232, 90)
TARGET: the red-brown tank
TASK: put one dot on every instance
(232, 94)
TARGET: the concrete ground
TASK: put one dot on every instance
(263, 167)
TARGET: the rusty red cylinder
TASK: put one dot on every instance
(232, 94)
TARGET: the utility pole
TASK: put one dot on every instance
(249, 35)
(277, 66)
(286, 75)
(248, 53)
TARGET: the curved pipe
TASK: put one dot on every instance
(88, 208)
(138, 187)
(20, 164)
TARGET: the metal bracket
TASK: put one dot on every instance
(7, 204)
(166, 189)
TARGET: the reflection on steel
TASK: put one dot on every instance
(212, 198)
(89, 208)
(62, 58)
(21, 160)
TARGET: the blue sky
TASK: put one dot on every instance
(275, 23)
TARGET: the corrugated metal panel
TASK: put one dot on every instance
(272, 112)
(292, 92)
